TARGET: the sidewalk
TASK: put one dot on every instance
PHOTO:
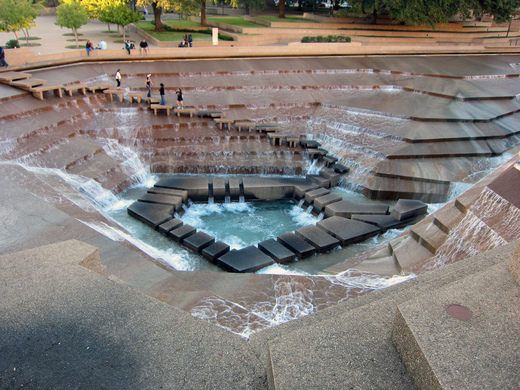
(53, 41)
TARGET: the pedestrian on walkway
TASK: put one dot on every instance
(149, 84)
(190, 40)
(161, 92)
(129, 46)
(118, 78)
(3, 62)
(143, 47)
(89, 47)
(179, 98)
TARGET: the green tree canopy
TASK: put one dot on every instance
(16, 15)
(72, 15)
(120, 14)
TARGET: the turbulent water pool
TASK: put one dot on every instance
(240, 224)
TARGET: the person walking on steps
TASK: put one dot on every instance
(3, 62)
(143, 47)
(149, 84)
(118, 78)
(90, 47)
(161, 92)
(179, 98)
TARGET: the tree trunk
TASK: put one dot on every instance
(203, 20)
(108, 25)
(281, 8)
(509, 27)
(157, 11)
(76, 36)
(374, 15)
(124, 33)
(26, 35)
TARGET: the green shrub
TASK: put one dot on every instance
(12, 43)
(223, 37)
(328, 38)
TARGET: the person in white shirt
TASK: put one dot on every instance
(118, 78)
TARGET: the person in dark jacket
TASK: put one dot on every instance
(3, 62)
(161, 92)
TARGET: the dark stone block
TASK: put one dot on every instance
(318, 238)
(348, 231)
(385, 222)
(341, 169)
(169, 191)
(307, 143)
(277, 251)
(296, 244)
(215, 250)
(325, 200)
(169, 225)
(174, 201)
(150, 213)
(181, 232)
(248, 259)
(219, 188)
(329, 160)
(332, 176)
(301, 189)
(198, 241)
(197, 186)
(321, 181)
(311, 195)
(408, 208)
(345, 208)
(268, 188)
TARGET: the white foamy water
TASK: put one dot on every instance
(301, 217)
(168, 257)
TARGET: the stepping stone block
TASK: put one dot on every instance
(181, 232)
(39, 91)
(301, 189)
(215, 250)
(183, 194)
(321, 181)
(310, 144)
(219, 188)
(385, 222)
(325, 200)
(262, 188)
(248, 259)
(9, 77)
(174, 201)
(234, 187)
(185, 111)
(71, 88)
(345, 208)
(332, 176)
(197, 186)
(311, 195)
(348, 231)
(198, 241)
(158, 107)
(172, 224)
(98, 87)
(322, 241)
(341, 169)
(277, 251)
(297, 245)
(152, 214)
(329, 160)
(408, 208)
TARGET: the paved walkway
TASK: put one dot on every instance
(53, 41)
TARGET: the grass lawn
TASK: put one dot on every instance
(288, 18)
(234, 21)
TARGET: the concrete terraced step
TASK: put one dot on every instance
(64, 326)
(409, 254)
(443, 149)
(448, 217)
(428, 234)
(350, 346)
(477, 346)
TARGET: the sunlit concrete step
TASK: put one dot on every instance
(82, 318)
(428, 235)
(409, 254)
(69, 153)
(443, 149)
(475, 347)
(448, 217)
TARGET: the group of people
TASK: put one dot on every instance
(143, 46)
(89, 46)
(149, 84)
(3, 62)
(187, 41)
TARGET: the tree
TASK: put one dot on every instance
(157, 6)
(120, 14)
(72, 15)
(16, 15)
(97, 8)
